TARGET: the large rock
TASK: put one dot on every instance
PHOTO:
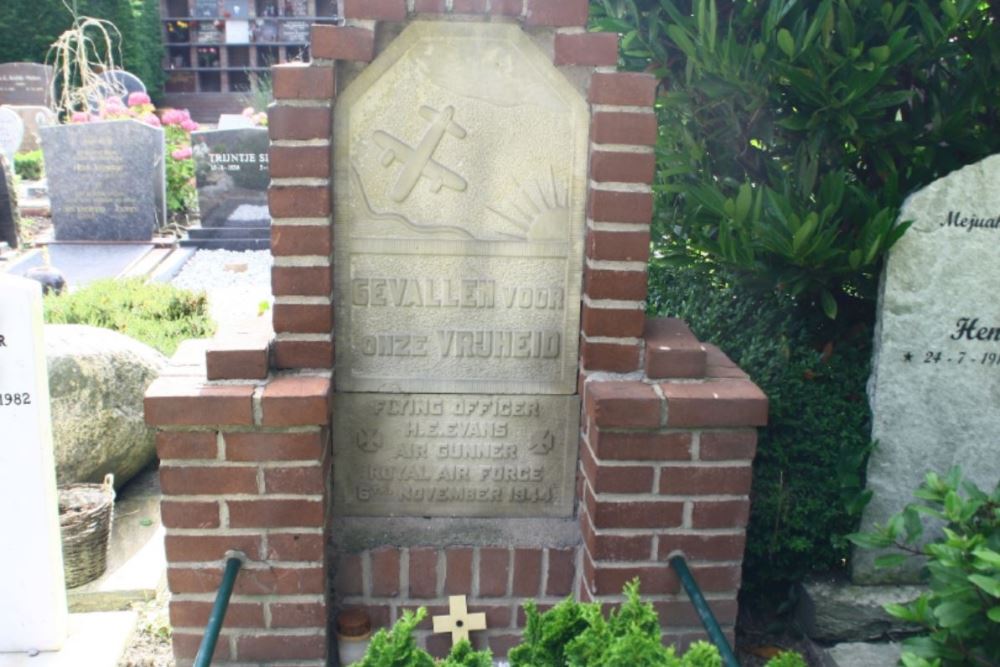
(834, 610)
(97, 378)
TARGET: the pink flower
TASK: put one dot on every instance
(136, 99)
(248, 112)
(182, 153)
(174, 117)
(113, 105)
(151, 119)
(80, 117)
(189, 125)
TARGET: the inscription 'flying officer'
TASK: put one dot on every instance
(417, 162)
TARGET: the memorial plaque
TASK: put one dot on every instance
(460, 167)
(206, 8)
(26, 84)
(232, 174)
(936, 369)
(11, 133)
(106, 180)
(296, 32)
(473, 455)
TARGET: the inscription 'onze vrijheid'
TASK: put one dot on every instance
(458, 230)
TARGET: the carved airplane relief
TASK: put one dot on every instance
(418, 162)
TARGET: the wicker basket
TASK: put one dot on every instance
(85, 514)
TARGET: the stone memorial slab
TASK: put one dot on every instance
(231, 168)
(26, 84)
(936, 366)
(9, 217)
(115, 82)
(472, 455)
(106, 180)
(34, 118)
(33, 615)
(11, 133)
(459, 219)
(234, 121)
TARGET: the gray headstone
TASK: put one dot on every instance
(8, 205)
(936, 367)
(106, 180)
(34, 117)
(11, 133)
(232, 177)
(115, 82)
(26, 84)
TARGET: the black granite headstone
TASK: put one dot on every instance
(27, 84)
(8, 205)
(106, 180)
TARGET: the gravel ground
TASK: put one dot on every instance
(150, 645)
(237, 283)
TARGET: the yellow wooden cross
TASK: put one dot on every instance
(459, 621)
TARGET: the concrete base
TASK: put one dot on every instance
(95, 640)
(835, 610)
(860, 654)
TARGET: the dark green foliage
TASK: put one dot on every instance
(397, 647)
(807, 487)
(961, 610)
(29, 27)
(792, 131)
(156, 314)
(29, 166)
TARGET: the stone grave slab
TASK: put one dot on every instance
(459, 218)
(113, 83)
(9, 217)
(33, 615)
(34, 117)
(936, 365)
(26, 84)
(83, 263)
(106, 180)
(11, 133)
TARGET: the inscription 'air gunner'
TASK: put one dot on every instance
(417, 162)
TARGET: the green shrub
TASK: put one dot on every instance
(29, 165)
(961, 610)
(808, 473)
(156, 314)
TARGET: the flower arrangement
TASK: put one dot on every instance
(258, 118)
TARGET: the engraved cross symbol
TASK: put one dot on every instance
(418, 162)
(459, 621)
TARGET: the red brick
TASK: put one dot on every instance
(497, 616)
(192, 548)
(720, 514)
(608, 284)
(299, 161)
(270, 580)
(299, 201)
(349, 578)
(380, 614)
(718, 365)
(343, 43)
(187, 445)
(295, 547)
(494, 566)
(193, 614)
(185, 646)
(286, 123)
(556, 13)
(587, 48)
(429, 6)
(182, 514)
(302, 480)
(423, 572)
(697, 547)
(634, 514)
(609, 356)
(618, 246)
(699, 480)
(615, 167)
(624, 207)
(458, 573)
(655, 580)
(615, 547)
(240, 358)
(527, 573)
(281, 647)
(173, 401)
(301, 240)
(562, 572)
(469, 6)
(296, 401)
(275, 513)
(500, 645)
(672, 351)
(257, 446)
(623, 89)
(616, 479)
(629, 128)
(211, 481)
(302, 318)
(623, 404)
(297, 81)
(301, 281)
(380, 10)
(613, 322)
(641, 446)
(507, 7)
(297, 615)
(715, 403)
(717, 578)
(194, 580)
(728, 445)
(438, 645)
(385, 572)
(301, 354)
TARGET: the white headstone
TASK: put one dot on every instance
(234, 121)
(11, 133)
(936, 370)
(33, 612)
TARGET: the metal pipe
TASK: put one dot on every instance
(234, 561)
(715, 633)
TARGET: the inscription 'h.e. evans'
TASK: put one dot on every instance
(459, 253)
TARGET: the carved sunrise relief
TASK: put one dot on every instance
(460, 167)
